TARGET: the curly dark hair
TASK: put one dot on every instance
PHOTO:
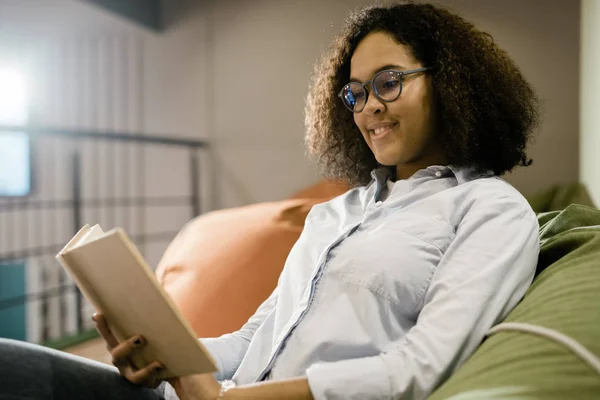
(487, 111)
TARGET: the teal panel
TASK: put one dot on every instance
(12, 284)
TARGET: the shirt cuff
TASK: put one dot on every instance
(359, 378)
(212, 345)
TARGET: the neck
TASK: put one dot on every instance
(406, 170)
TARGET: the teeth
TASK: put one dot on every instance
(382, 129)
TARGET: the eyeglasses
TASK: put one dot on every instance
(386, 86)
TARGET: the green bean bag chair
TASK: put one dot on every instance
(564, 297)
(558, 197)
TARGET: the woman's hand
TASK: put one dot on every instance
(121, 356)
(193, 387)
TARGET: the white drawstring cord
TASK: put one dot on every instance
(570, 343)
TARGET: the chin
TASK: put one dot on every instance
(387, 160)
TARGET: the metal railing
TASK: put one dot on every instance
(25, 217)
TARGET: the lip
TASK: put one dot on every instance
(375, 125)
(372, 127)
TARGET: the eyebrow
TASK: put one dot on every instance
(388, 66)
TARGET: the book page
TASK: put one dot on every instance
(94, 232)
(75, 239)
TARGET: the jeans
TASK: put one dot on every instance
(33, 372)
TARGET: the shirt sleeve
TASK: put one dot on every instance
(229, 350)
(484, 273)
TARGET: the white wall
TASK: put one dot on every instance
(590, 97)
(90, 69)
(171, 72)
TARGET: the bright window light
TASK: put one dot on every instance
(15, 157)
(13, 98)
(15, 173)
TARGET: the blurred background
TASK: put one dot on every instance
(146, 113)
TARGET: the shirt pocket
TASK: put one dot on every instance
(436, 232)
(395, 259)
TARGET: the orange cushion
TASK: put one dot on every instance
(224, 264)
(324, 189)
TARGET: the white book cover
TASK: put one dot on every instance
(113, 275)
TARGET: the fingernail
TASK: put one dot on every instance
(138, 342)
(95, 316)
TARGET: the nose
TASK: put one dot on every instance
(373, 105)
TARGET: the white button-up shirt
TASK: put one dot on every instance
(385, 298)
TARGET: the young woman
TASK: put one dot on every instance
(394, 284)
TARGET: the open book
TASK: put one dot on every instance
(113, 276)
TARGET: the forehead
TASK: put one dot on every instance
(377, 50)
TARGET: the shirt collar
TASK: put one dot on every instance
(468, 174)
(381, 176)
(462, 174)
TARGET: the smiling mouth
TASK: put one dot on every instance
(381, 131)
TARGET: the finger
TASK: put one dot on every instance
(123, 351)
(146, 375)
(104, 331)
(153, 383)
(126, 370)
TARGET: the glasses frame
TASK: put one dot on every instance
(370, 83)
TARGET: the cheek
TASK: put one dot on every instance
(358, 121)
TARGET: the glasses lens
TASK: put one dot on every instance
(354, 96)
(388, 85)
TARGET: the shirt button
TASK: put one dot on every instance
(438, 173)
